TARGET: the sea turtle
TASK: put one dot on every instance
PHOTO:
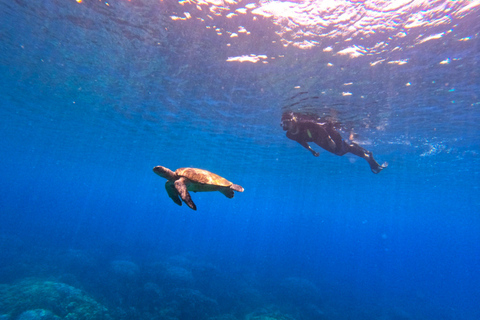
(192, 179)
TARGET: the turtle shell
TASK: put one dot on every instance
(202, 176)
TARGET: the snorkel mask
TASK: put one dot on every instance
(287, 118)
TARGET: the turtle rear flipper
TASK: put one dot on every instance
(181, 187)
(172, 192)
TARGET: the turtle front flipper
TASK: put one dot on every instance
(227, 192)
(182, 190)
(172, 192)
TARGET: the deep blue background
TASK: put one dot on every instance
(79, 143)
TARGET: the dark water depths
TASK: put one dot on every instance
(95, 94)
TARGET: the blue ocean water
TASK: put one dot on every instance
(94, 94)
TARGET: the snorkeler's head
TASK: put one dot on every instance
(288, 118)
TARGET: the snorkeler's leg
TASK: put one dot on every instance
(374, 166)
(367, 155)
(334, 140)
(331, 143)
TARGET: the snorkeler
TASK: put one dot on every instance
(306, 128)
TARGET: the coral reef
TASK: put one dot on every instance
(221, 317)
(59, 299)
(263, 314)
(169, 288)
(38, 314)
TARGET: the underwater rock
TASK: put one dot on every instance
(124, 268)
(122, 285)
(151, 297)
(206, 274)
(170, 275)
(178, 275)
(38, 314)
(180, 260)
(267, 315)
(299, 291)
(234, 294)
(223, 317)
(192, 304)
(152, 289)
(61, 299)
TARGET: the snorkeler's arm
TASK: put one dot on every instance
(295, 137)
(307, 146)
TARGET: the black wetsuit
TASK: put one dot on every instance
(305, 129)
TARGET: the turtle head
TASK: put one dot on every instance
(164, 172)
